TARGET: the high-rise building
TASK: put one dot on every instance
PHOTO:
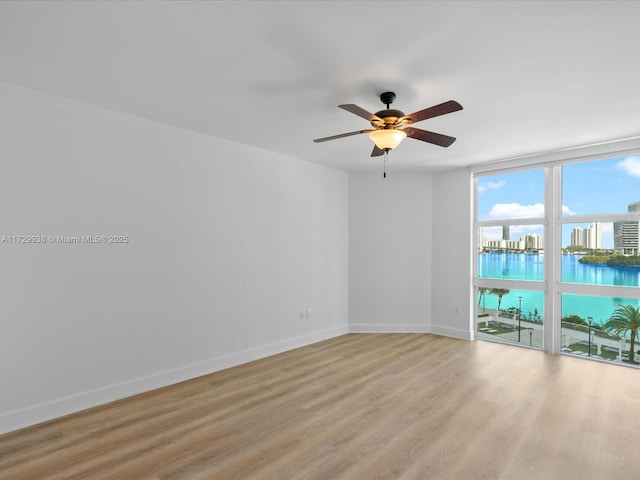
(505, 232)
(590, 237)
(626, 238)
(626, 235)
(577, 237)
(593, 236)
(533, 241)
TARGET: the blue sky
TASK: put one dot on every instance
(602, 186)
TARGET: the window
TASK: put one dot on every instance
(588, 254)
(557, 262)
(602, 186)
(511, 195)
(511, 316)
(510, 257)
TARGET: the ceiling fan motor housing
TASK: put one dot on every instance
(389, 115)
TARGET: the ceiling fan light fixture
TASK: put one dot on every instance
(387, 139)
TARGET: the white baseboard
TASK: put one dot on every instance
(389, 328)
(451, 332)
(34, 414)
(410, 328)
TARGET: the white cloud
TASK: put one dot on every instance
(516, 210)
(567, 211)
(483, 187)
(630, 166)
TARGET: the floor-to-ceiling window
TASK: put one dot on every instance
(557, 262)
(510, 269)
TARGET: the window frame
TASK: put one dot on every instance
(552, 223)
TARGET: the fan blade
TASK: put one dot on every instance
(430, 137)
(435, 111)
(361, 112)
(342, 135)
(377, 151)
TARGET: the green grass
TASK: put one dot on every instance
(576, 347)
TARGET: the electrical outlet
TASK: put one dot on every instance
(308, 313)
(301, 314)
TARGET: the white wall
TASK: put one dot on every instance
(226, 244)
(390, 239)
(410, 254)
(451, 310)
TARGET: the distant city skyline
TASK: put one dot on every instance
(603, 186)
(530, 241)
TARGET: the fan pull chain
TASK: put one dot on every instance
(384, 174)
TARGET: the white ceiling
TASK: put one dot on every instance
(532, 76)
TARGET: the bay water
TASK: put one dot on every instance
(530, 266)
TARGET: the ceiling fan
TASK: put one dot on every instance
(389, 126)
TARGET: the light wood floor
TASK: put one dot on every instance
(407, 406)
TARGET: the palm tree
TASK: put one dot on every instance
(482, 291)
(500, 292)
(625, 318)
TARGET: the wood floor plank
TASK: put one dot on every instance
(360, 406)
